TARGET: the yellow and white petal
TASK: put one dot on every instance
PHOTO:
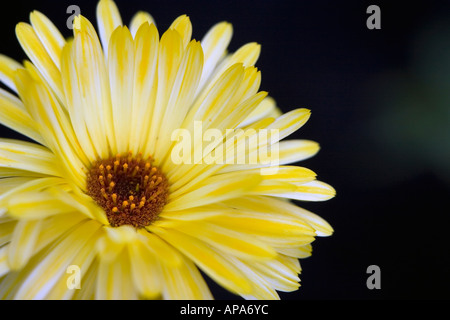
(108, 19)
(166, 254)
(121, 76)
(281, 273)
(229, 119)
(321, 227)
(226, 240)
(16, 154)
(146, 271)
(310, 191)
(49, 35)
(265, 109)
(262, 290)
(53, 121)
(213, 189)
(281, 207)
(6, 230)
(185, 283)
(247, 55)
(287, 151)
(183, 25)
(146, 43)
(87, 290)
(8, 67)
(87, 92)
(16, 185)
(138, 20)
(216, 97)
(214, 45)
(291, 151)
(34, 205)
(55, 226)
(181, 97)
(38, 54)
(4, 268)
(193, 214)
(169, 58)
(23, 240)
(114, 280)
(290, 122)
(41, 274)
(275, 230)
(63, 290)
(296, 252)
(209, 260)
(14, 115)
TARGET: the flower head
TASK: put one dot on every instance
(135, 175)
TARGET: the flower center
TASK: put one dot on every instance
(130, 189)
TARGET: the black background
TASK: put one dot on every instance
(389, 164)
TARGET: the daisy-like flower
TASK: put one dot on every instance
(99, 192)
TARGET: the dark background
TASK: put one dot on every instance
(380, 104)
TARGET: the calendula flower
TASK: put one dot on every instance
(97, 207)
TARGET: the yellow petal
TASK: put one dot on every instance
(55, 226)
(169, 58)
(214, 189)
(246, 55)
(39, 278)
(291, 151)
(87, 290)
(185, 283)
(4, 268)
(145, 76)
(38, 54)
(20, 249)
(27, 156)
(8, 67)
(193, 214)
(50, 37)
(263, 110)
(14, 115)
(225, 239)
(87, 91)
(282, 208)
(6, 230)
(108, 19)
(311, 191)
(114, 280)
(53, 121)
(296, 252)
(274, 229)
(321, 227)
(138, 20)
(281, 273)
(181, 97)
(121, 76)
(290, 122)
(211, 262)
(214, 45)
(146, 272)
(166, 254)
(262, 290)
(37, 204)
(82, 262)
(183, 25)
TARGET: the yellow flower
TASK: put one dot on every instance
(100, 193)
